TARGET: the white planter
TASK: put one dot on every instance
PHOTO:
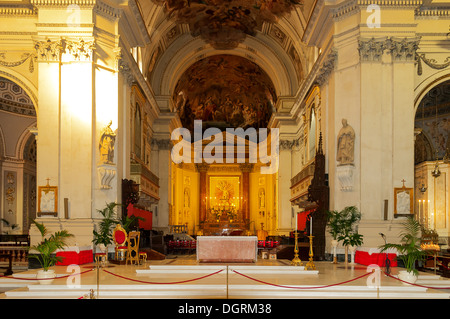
(407, 277)
(46, 277)
(352, 252)
(334, 244)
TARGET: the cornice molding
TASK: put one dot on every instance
(15, 11)
(63, 3)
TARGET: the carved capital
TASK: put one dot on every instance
(162, 144)
(371, 49)
(79, 50)
(52, 50)
(287, 145)
(403, 49)
(327, 67)
(126, 72)
(49, 50)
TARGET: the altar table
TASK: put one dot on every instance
(373, 256)
(237, 249)
(75, 255)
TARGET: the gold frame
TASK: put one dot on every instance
(411, 200)
(45, 190)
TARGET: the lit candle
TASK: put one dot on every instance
(296, 223)
(310, 226)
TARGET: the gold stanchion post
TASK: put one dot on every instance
(310, 264)
(296, 261)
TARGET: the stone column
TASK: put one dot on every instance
(284, 185)
(246, 169)
(203, 169)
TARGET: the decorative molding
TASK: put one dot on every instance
(80, 50)
(327, 67)
(430, 62)
(287, 145)
(63, 3)
(49, 50)
(126, 72)
(14, 11)
(400, 49)
(392, 3)
(106, 174)
(371, 49)
(345, 177)
(403, 49)
(162, 144)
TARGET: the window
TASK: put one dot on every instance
(137, 131)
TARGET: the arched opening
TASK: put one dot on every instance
(432, 162)
(18, 160)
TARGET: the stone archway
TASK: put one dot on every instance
(18, 160)
(432, 162)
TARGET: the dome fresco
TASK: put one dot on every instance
(225, 91)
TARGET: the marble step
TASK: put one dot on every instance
(182, 269)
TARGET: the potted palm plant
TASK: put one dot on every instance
(352, 240)
(409, 251)
(103, 237)
(46, 249)
(349, 236)
(334, 228)
(341, 226)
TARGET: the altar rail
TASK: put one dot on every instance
(15, 245)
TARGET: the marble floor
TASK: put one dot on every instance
(182, 277)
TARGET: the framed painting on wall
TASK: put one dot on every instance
(403, 201)
(47, 200)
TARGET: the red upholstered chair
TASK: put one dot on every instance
(121, 241)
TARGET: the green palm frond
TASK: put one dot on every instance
(47, 247)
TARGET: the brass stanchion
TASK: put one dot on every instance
(310, 263)
(296, 261)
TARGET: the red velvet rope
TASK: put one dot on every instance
(162, 283)
(318, 287)
(18, 278)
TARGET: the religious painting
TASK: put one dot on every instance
(47, 200)
(224, 190)
(225, 91)
(403, 201)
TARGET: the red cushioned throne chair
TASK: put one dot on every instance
(120, 237)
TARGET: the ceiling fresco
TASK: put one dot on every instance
(225, 23)
(225, 91)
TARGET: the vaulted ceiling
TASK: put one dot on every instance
(263, 33)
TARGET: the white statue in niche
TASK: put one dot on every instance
(345, 144)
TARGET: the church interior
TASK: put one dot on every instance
(222, 133)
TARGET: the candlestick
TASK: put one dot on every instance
(296, 261)
(310, 263)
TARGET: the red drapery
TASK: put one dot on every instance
(302, 218)
(143, 224)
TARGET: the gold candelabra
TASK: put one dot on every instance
(310, 264)
(296, 261)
